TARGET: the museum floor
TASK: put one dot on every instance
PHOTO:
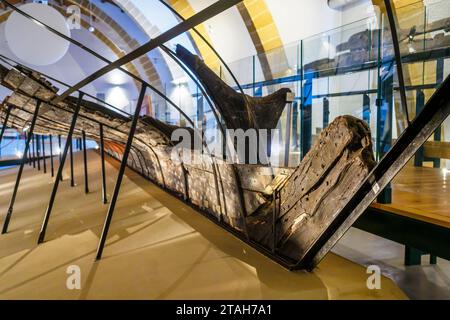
(159, 248)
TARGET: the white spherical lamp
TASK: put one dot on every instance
(33, 43)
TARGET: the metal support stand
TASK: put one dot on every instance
(384, 129)
(51, 157)
(102, 155)
(123, 165)
(34, 150)
(43, 154)
(59, 173)
(86, 182)
(22, 164)
(29, 150)
(38, 154)
(420, 102)
(60, 155)
(72, 180)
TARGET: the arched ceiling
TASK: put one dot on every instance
(254, 27)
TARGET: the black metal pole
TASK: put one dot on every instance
(38, 154)
(86, 181)
(123, 165)
(43, 154)
(59, 146)
(5, 123)
(398, 59)
(60, 155)
(102, 155)
(59, 173)
(72, 180)
(22, 164)
(34, 150)
(51, 156)
(29, 154)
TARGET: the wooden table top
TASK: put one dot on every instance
(421, 193)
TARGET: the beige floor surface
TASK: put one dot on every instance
(158, 248)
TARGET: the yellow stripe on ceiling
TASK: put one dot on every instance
(265, 36)
(184, 8)
(263, 23)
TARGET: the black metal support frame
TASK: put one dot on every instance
(182, 27)
(398, 58)
(22, 164)
(60, 155)
(215, 169)
(86, 181)
(52, 169)
(123, 165)
(29, 150)
(38, 153)
(60, 169)
(102, 156)
(72, 178)
(34, 150)
(44, 163)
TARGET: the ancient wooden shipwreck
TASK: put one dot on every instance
(281, 213)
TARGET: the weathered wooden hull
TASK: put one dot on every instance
(280, 214)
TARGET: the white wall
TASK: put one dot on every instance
(228, 32)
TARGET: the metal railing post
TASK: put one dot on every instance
(22, 164)
(102, 155)
(72, 180)
(59, 173)
(43, 154)
(38, 154)
(86, 181)
(60, 154)
(51, 156)
(123, 165)
(34, 150)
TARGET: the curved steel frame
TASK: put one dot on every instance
(182, 27)
(164, 48)
(156, 91)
